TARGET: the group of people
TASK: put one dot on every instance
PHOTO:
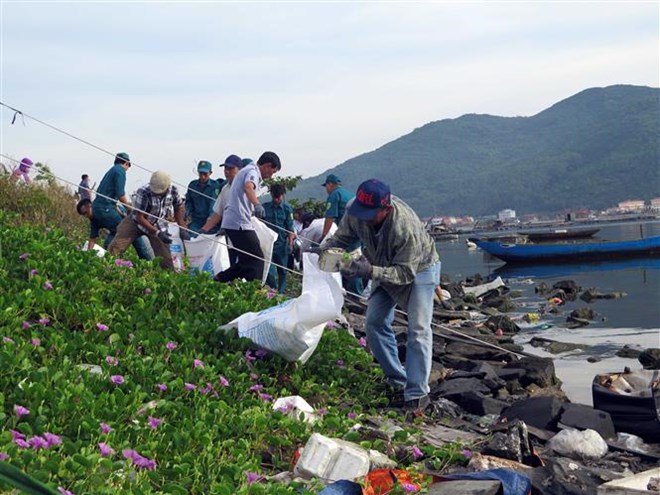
(399, 256)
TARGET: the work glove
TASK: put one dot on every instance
(259, 211)
(357, 268)
(184, 234)
(165, 236)
(315, 249)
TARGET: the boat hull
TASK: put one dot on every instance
(571, 252)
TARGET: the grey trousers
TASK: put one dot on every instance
(127, 232)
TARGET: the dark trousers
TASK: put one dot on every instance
(247, 266)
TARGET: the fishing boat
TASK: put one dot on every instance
(632, 399)
(559, 234)
(570, 252)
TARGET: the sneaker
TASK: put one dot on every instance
(417, 405)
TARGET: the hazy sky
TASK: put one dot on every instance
(172, 83)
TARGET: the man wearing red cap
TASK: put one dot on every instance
(401, 260)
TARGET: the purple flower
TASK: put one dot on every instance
(24, 256)
(21, 443)
(44, 321)
(101, 327)
(363, 342)
(285, 408)
(48, 285)
(126, 263)
(197, 363)
(37, 443)
(105, 428)
(254, 376)
(409, 487)
(52, 439)
(36, 342)
(26, 325)
(261, 353)
(249, 356)
(111, 360)
(331, 324)
(256, 387)
(351, 415)
(171, 345)
(340, 363)
(265, 397)
(190, 387)
(154, 422)
(34, 272)
(139, 461)
(21, 411)
(466, 453)
(17, 435)
(7, 340)
(106, 450)
(223, 381)
(147, 290)
(64, 491)
(117, 379)
(271, 294)
(4, 456)
(416, 452)
(322, 412)
(162, 387)
(252, 477)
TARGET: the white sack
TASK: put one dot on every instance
(267, 238)
(207, 253)
(176, 248)
(578, 444)
(294, 328)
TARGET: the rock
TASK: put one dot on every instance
(628, 352)
(457, 387)
(553, 346)
(477, 352)
(540, 412)
(568, 477)
(502, 321)
(480, 462)
(569, 287)
(438, 435)
(582, 314)
(650, 359)
(478, 403)
(540, 371)
(592, 294)
(593, 359)
(585, 417)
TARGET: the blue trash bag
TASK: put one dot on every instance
(342, 487)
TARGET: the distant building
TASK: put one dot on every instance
(506, 215)
(631, 205)
(655, 204)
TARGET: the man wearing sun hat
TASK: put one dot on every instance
(201, 195)
(154, 204)
(401, 260)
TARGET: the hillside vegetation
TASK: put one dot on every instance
(591, 150)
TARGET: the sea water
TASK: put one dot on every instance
(632, 320)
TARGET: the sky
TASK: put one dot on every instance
(172, 83)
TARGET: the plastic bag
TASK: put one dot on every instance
(207, 253)
(267, 238)
(293, 329)
(587, 444)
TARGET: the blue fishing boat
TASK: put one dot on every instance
(570, 252)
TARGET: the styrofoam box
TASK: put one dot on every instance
(332, 459)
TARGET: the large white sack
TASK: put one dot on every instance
(576, 444)
(294, 328)
(267, 238)
(207, 253)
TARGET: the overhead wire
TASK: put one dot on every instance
(359, 296)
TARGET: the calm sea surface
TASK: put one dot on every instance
(633, 320)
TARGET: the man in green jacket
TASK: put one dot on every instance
(401, 260)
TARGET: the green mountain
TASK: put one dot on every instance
(591, 150)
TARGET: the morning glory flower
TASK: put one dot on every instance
(162, 387)
(52, 439)
(4, 456)
(197, 363)
(7, 340)
(26, 325)
(117, 379)
(21, 411)
(44, 321)
(171, 345)
(223, 381)
(252, 477)
(351, 415)
(147, 290)
(154, 422)
(190, 387)
(37, 443)
(36, 342)
(48, 285)
(363, 342)
(24, 256)
(111, 360)
(106, 450)
(34, 272)
(64, 491)
(105, 428)
(416, 452)
(101, 327)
